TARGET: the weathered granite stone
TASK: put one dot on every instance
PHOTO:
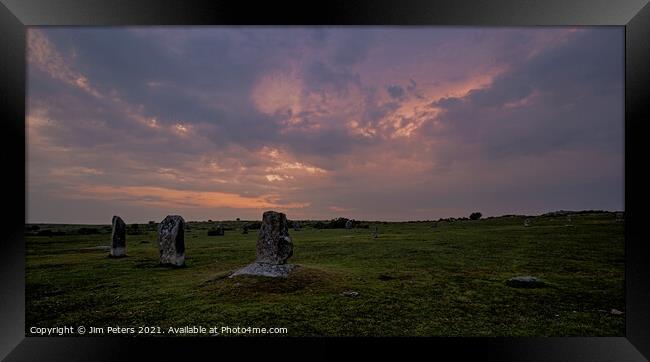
(274, 245)
(171, 240)
(118, 237)
(525, 282)
(267, 270)
(348, 224)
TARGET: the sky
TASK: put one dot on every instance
(371, 123)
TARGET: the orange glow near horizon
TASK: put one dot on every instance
(171, 198)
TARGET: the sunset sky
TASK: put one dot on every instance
(372, 123)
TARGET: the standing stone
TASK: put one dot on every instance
(527, 222)
(118, 237)
(274, 245)
(375, 233)
(274, 248)
(171, 240)
(245, 230)
(348, 224)
(296, 226)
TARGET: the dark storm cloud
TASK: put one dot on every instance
(396, 91)
(567, 96)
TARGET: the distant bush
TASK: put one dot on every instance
(475, 216)
(338, 223)
(253, 225)
(50, 233)
(134, 229)
(88, 231)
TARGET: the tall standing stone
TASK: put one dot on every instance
(118, 237)
(171, 240)
(274, 248)
(274, 245)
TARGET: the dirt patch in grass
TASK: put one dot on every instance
(384, 277)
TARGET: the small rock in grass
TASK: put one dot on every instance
(615, 312)
(350, 293)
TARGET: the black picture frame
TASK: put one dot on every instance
(16, 15)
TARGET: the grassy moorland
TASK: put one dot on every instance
(413, 280)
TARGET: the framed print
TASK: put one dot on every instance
(458, 177)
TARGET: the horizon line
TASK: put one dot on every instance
(334, 218)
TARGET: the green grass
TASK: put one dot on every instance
(413, 280)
